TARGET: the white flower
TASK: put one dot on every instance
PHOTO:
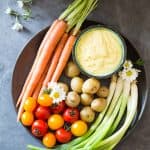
(52, 85)
(58, 95)
(17, 26)
(127, 64)
(129, 74)
(20, 4)
(8, 11)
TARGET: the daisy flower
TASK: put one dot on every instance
(52, 85)
(127, 64)
(8, 11)
(20, 4)
(58, 95)
(17, 26)
(129, 74)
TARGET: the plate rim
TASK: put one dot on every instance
(143, 108)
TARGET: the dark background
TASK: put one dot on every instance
(130, 17)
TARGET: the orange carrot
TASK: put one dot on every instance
(45, 56)
(38, 88)
(54, 60)
(64, 58)
(35, 61)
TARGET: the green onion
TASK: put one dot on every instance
(113, 140)
(122, 108)
(125, 95)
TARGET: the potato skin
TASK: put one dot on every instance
(76, 84)
(87, 114)
(91, 86)
(86, 99)
(71, 70)
(63, 86)
(98, 104)
(102, 92)
(73, 99)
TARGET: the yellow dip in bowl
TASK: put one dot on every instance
(99, 51)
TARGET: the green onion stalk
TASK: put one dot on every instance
(114, 139)
(108, 124)
(122, 108)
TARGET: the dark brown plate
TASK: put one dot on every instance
(27, 56)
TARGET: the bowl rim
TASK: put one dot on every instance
(122, 59)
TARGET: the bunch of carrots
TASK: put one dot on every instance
(55, 50)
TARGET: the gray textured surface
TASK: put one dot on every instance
(131, 17)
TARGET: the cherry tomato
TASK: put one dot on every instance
(55, 122)
(30, 104)
(45, 100)
(42, 113)
(71, 115)
(79, 128)
(63, 136)
(27, 118)
(58, 108)
(39, 128)
(49, 140)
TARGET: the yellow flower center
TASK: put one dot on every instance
(127, 65)
(56, 95)
(129, 73)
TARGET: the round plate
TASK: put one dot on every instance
(28, 54)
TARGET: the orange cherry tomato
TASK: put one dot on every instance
(30, 104)
(27, 118)
(79, 128)
(49, 140)
(55, 122)
(45, 100)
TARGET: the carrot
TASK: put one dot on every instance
(47, 51)
(64, 58)
(35, 61)
(54, 61)
(38, 88)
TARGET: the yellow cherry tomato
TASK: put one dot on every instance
(49, 140)
(79, 128)
(30, 104)
(55, 122)
(45, 100)
(27, 118)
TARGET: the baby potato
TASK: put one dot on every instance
(103, 92)
(98, 104)
(86, 99)
(63, 86)
(87, 114)
(73, 99)
(71, 70)
(76, 84)
(91, 86)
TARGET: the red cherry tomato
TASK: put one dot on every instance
(71, 115)
(63, 136)
(58, 108)
(42, 112)
(39, 128)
